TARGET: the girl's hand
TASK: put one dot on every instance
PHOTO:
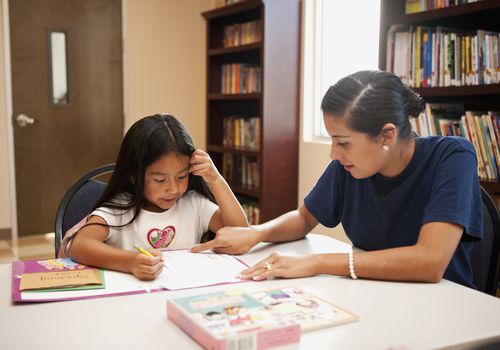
(230, 240)
(147, 268)
(201, 164)
(277, 265)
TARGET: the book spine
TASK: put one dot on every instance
(469, 118)
(271, 338)
(191, 328)
(259, 339)
(482, 145)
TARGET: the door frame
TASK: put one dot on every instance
(9, 110)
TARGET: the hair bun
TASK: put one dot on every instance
(416, 104)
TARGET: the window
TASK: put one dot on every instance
(340, 37)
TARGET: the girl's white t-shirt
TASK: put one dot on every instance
(178, 227)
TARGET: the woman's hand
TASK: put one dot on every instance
(277, 265)
(201, 165)
(231, 240)
(147, 268)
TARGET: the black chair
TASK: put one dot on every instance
(79, 201)
(485, 254)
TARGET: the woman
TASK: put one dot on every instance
(412, 204)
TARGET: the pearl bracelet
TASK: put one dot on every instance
(351, 265)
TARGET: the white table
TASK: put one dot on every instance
(391, 315)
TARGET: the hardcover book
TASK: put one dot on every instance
(231, 320)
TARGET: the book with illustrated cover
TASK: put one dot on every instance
(234, 319)
(298, 306)
(231, 320)
(52, 274)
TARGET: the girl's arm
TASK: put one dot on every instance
(425, 261)
(287, 227)
(88, 248)
(230, 212)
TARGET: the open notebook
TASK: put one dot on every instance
(184, 270)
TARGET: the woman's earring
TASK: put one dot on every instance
(385, 147)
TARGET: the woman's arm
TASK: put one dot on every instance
(230, 212)
(88, 248)
(237, 240)
(425, 261)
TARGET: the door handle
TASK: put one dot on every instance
(23, 120)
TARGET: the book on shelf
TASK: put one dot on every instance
(222, 319)
(238, 34)
(424, 56)
(481, 128)
(241, 132)
(231, 319)
(415, 6)
(241, 170)
(251, 209)
(240, 78)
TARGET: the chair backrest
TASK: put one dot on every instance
(485, 254)
(79, 201)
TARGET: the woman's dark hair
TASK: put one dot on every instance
(145, 142)
(370, 99)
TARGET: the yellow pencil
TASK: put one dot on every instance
(143, 251)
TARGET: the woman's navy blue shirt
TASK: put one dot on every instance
(439, 184)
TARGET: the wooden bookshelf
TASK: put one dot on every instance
(482, 14)
(276, 104)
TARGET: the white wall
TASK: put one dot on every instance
(166, 61)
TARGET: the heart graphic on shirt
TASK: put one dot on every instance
(161, 238)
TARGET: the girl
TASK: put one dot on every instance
(163, 193)
(412, 204)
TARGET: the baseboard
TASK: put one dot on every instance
(5, 233)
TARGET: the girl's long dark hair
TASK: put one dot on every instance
(145, 142)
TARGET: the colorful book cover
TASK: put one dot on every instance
(227, 319)
(54, 275)
(298, 306)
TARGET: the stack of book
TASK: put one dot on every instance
(233, 319)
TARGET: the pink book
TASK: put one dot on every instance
(52, 275)
(231, 320)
